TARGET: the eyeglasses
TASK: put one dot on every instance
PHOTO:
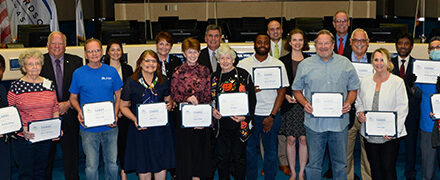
(340, 20)
(94, 51)
(434, 47)
(359, 40)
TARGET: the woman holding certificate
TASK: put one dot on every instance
(232, 131)
(379, 98)
(149, 150)
(191, 84)
(35, 99)
(292, 113)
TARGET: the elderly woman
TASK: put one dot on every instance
(382, 91)
(232, 132)
(149, 150)
(114, 56)
(5, 161)
(35, 99)
(164, 43)
(191, 84)
(292, 113)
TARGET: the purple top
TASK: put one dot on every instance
(191, 80)
(54, 65)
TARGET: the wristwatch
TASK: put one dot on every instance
(272, 116)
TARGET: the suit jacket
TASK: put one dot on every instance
(287, 61)
(127, 71)
(412, 119)
(347, 47)
(206, 61)
(283, 52)
(172, 65)
(71, 63)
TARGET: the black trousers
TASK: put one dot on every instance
(382, 158)
(412, 129)
(5, 159)
(231, 155)
(69, 145)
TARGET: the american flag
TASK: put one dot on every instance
(5, 30)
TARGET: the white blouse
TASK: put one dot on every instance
(392, 97)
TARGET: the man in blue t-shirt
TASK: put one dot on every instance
(97, 82)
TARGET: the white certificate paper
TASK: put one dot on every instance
(327, 104)
(196, 115)
(152, 115)
(435, 103)
(363, 69)
(380, 123)
(426, 71)
(45, 129)
(98, 114)
(233, 104)
(10, 120)
(267, 77)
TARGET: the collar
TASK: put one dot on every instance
(343, 37)
(400, 59)
(265, 61)
(53, 58)
(210, 51)
(355, 59)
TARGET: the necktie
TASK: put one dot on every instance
(213, 62)
(276, 52)
(341, 46)
(164, 70)
(402, 69)
(59, 79)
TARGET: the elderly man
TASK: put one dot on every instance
(97, 82)
(403, 67)
(341, 22)
(429, 153)
(267, 117)
(213, 37)
(326, 72)
(59, 67)
(359, 44)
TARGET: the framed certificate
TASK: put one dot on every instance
(152, 115)
(381, 123)
(233, 104)
(267, 77)
(98, 114)
(196, 115)
(363, 69)
(45, 129)
(435, 105)
(327, 104)
(10, 120)
(426, 71)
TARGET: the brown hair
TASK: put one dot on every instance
(190, 43)
(138, 69)
(305, 47)
(165, 36)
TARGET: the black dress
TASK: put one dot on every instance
(150, 150)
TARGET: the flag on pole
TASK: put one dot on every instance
(5, 31)
(80, 32)
(32, 12)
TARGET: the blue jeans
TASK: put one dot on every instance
(270, 143)
(337, 144)
(91, 142)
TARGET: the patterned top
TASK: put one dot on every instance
(33, 100)
(191, 80)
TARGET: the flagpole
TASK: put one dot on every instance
(76, 33)
(415, 19)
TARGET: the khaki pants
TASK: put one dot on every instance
(282, 154)
(365, 165)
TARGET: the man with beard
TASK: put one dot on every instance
(213, 37)
(359, 44)
(267, 117)
(341, 22)
(403, 67)
(326, 72)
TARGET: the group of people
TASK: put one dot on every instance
(57, 84)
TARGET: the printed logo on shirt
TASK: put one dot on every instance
(106, 78)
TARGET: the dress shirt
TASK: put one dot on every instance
(355, 59)
(399, 60)
(343, 41)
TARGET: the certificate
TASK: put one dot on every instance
(98, 114)
(233, 104)
(435, 104)
(381, 123)
(196, 115)
(426, 71)
(267, 77)
(10, 120)
(152, 115)
(45, 129)
(327, 104)
(363, 69)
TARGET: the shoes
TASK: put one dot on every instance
(328, 174)
(356, 177)
(262, 172)
(286, 170)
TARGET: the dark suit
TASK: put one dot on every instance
(172, 65)
(412, 119)
(347, 47)
(206, 61)
(69, 125)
